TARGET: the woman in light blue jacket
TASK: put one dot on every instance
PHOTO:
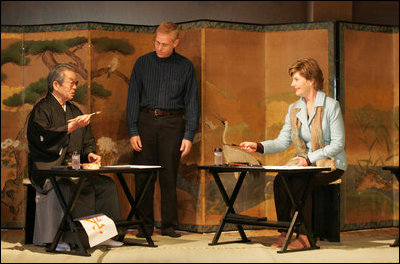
(314, 124)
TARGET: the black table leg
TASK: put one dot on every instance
(395, 171)
(297, 220)
(68, 217)
(298, 214)
(134, 205)
(289, 234)
(229, 203)
(396, 242)
(30, 213)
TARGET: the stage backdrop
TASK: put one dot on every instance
(244, 88)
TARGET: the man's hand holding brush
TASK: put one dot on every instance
(80, 121)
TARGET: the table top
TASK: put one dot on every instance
(393, 169)
(68, 171)
(288, 169)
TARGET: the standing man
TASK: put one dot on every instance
(162, 116)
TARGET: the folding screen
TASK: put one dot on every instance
(26, 60)
(369, 59)
(246, 84)
(13, 151)
(245, 92)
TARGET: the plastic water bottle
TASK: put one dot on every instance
(76, 160)
(218, 156)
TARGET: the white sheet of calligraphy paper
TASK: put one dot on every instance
(98, 228)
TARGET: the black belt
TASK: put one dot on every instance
(161, 112)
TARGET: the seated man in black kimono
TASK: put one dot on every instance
(56, 128)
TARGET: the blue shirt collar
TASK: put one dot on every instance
(319, 100)
(302, 114)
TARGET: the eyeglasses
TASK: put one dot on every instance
(72, 83)
(163, 45)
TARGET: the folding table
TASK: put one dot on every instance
(395, 171)
(67, 172)
(232, 217)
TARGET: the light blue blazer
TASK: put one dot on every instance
(332, 129)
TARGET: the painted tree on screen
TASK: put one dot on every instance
(52, 52)
(48, 49)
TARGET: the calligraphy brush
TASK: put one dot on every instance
(95, 113)
(233, 145)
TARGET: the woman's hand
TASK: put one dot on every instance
(248, 146)
(301, 161)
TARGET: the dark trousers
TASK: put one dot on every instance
(283, 205)
(161, 140)
(99, 195)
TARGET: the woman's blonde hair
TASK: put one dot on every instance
(309, 69)
(169, 28)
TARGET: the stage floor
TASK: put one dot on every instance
(366, 246)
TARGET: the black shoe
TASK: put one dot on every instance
(171, 234)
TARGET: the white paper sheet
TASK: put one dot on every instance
(99, 228)
(132, 166)
(289, 167)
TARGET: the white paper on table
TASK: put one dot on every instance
(132, 166)
(289, 167)
(98, 228)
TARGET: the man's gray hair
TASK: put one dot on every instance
(57, 74)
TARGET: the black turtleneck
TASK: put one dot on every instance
(163, 83)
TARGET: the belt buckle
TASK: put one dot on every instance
(157, 112)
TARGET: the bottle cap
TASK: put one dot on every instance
(218, 150)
